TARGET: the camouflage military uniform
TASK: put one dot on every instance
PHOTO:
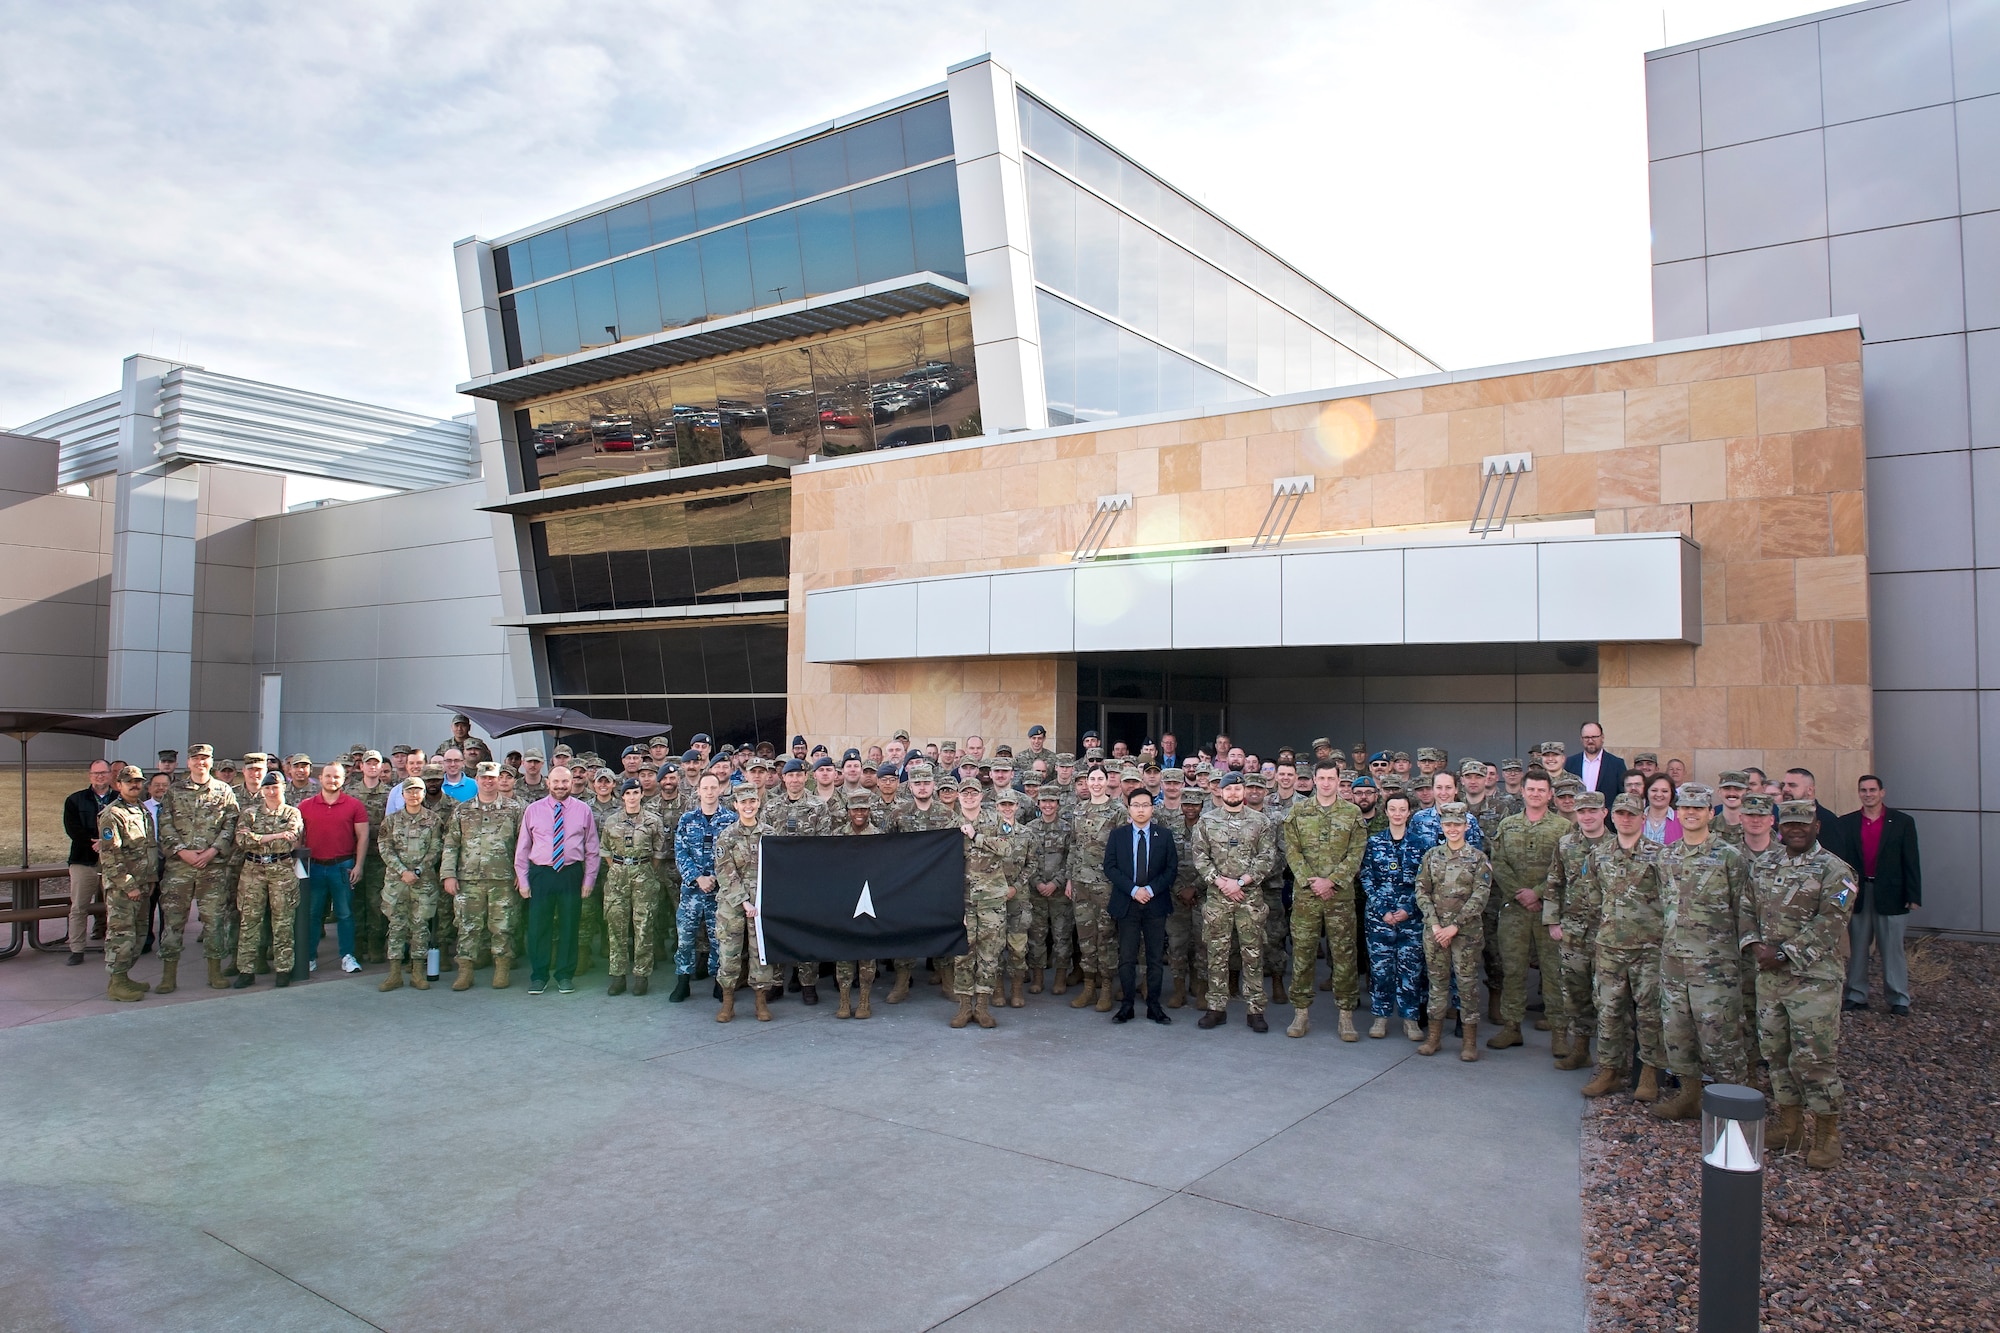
(1705, 891)
(412, 843)
(1522, 853)
(1802, 906)
(1324, 842)
(268, 882)
(988, 853)
(1187, 964)
(592, 932)
(694, 856)
(1237, 846)
(631, 846)
(1051, 920)
(1020, 908)
(1570, 900)
(129, 861)
(1091, 827)
(735, 885)
(194, 818)
(371, 927)
(1395, 953)
(479, 853)
(1452, 889)
(1627, 953)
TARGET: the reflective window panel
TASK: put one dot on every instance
(727, 680)
(729, 548)
(1092, 369)
(906, 383)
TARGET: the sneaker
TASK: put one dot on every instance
(347, 963)
(312, 965)
(537, 987)
(566, 987)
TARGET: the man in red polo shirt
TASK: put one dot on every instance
(336, 841)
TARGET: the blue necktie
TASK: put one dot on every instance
(559, 835)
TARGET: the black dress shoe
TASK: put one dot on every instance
(1849, 1006)
(1124, 1014)
(1158, 1015)
(1900, 1010)
(680, 990)
(75, 960)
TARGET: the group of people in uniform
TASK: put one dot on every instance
(1717, 955)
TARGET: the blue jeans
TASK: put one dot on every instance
(329, 878)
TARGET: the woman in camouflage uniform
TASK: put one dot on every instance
(412, 846)
(268, 836)
(1453, 884)
(633, 842)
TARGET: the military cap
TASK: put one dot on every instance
(366, 755)
(760, 762)
(1759, 803)
(792, 766)
(822, 762)
(602, 774)
(298, 759)
(227, 765)
(533, 754)
(271, 779)
(1093, 752)
(357, 747)
(849, 753)
(1303, 769)
(1452, 812)
(1390, 783)
(1472, 766)
(1625, 803)
(798, 740)
(564, 747)
(1230, 780)
(629, 784)
(1797, 812)
(1049, 793)
(399, 750)
(982, 766)
(1693, 794)
(129, 773)
(1131, 773)
(918, 771)
(1038, 730)
(1006, 796)
(411, 786)
(1192, 796)
(1645, 757)
(1065, 760)
(1172, 775)
(1001, 760)
(194, 752)
(1257, 780)
(700, 738)
(745, 791)
(947, 786)
(631, 749)
(1003, 751)
(1554, 747)
(1732, 778)
(509, 771)
(1092, 735)
(1432, 753)
(690, 758)
(887, 771)
(489, 769)
(1363, 781)
(1510, 765)
(256, 757)
(1381, 757)
(457, 718)
(433, 769)
(900, 734)
(1402, 754)
(1319, 741)
(1567, 782)
(726, 751)
(1590, 800)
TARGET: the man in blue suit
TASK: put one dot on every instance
(1596, 767)
(1141, 863)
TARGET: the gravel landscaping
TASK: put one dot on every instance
(1905, 1234)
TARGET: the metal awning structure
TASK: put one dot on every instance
(718, 337)
(24, 724)
(498, 722)
(691, 480)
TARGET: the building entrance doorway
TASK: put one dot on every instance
(1134, 726)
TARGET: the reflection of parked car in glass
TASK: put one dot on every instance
(843, 417)
(913, 435)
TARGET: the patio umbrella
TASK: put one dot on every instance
(24, 724)
(499, 722)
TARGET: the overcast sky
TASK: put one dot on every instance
(272, 191)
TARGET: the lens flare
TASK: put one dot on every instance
(1343, 429)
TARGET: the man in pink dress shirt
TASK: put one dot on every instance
(555, 863)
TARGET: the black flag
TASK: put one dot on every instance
(888, 895)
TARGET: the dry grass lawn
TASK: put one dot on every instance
(47, 787)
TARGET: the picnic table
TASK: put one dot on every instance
(28, 906)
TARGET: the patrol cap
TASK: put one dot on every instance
(1510, 765)
(270, 780)
(747, 791)
(849, 753)
(1402, 755)
(298, 759)
(1645, 757)
(259, 757)
(1797, 812)
(535, 755)
(1325, 742)
(457, 718)
(1131, 773)
(1065, 760)
(885, 771)
(1003, 751)
(1694, 794)
(1432, 753)
(602, 774)
(1452, 812)
(947, 786)
(657, 740)
(1172, 776)
(1049, 794)
(1192, 796)
(1554, 747)
(1732, 778)
(1590, 800)
(411, 786)
(366, 755)
(1038, 730)
(129, 773)
(1568, 782)
(1006, 796)
(1472, 766)
(433, 769)
(227, 766)
(1002, 763)
(1625, 803)
(489, 769)
(919, 772)
(899, 734)
(194, 752)
(629, 784)
(1257, 780)
(1381, 757)
(1756, 803)
(399, 750)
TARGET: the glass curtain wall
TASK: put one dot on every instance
(900, 384)
(872, 202)
(725, 679)
(726, 548)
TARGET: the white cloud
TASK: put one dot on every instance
(273, 190)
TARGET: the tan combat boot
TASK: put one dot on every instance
(170, 976)
(846, 1009)
(1017, 998)
(1347, 1032)
(981, 1013)
(763, 1005)
(464, 981)
(964, 1014)
(1468, 1046)
(728, 1009)
(1790, 1133)
(420, 978)
(1035, 981)
(1432, 1039)
(1085, 996)
(122, 987)
(1179, 996)
(1105, 1002)
(862, 991)
(1411, 1030)
(901, 990)
(1559, 1048)
(1380, 1027)
(1301, 1021)
(1606, 1081)
(394, 981)
(1683, 1105)
(1058, 981)
(500, 978)
(1508, 1035)
(215, 977)
(1824, 1154)
(1649, 1085)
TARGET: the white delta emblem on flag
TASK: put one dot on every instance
(865, 905)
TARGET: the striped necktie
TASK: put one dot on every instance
(559, 835)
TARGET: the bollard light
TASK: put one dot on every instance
(1732, 1208)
